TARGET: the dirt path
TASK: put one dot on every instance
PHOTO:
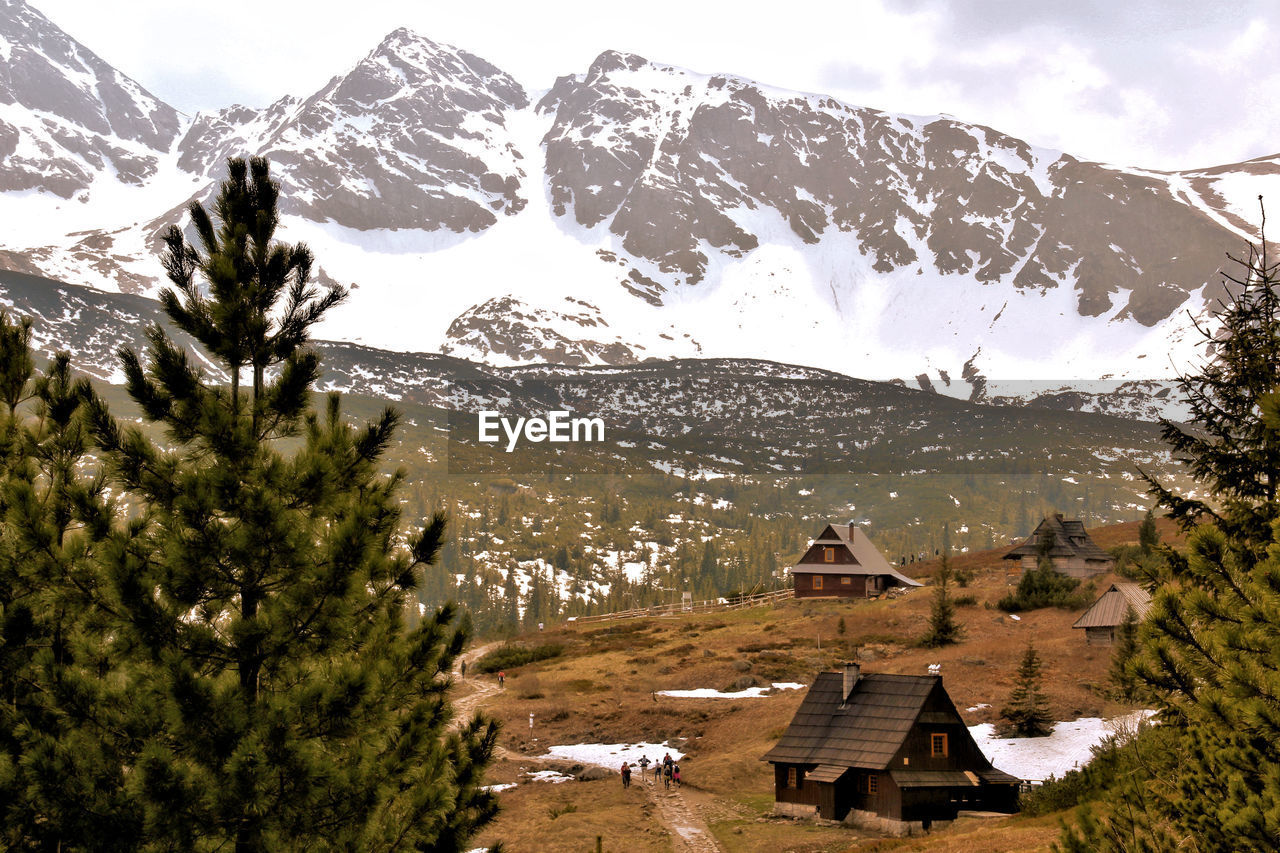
(677, 807)
(480, 689)
(681, 813)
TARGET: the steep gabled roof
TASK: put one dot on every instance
(867, 558)
(1070, 539)
(1109, 610)
(864, 732)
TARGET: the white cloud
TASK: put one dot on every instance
(1172, 84)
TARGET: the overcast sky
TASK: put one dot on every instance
(1157, 83)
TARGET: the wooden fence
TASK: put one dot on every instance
(707, 606)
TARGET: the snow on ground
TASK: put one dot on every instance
(1038, 758)
(497, 789)
(612, 755)
(553, 776)
(749, 693)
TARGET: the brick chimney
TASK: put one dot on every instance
(852, 672)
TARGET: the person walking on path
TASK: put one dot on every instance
(626, 775)
(502, 678)
(675, 774)
(657, 771)
(644, 764)
(464, 667)
(666, 775)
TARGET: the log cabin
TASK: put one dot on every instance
(884, 752)
(1067, 544)
(842, 563)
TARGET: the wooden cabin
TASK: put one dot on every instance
(886, 752)
(1067, 544)
(842, 563)
(1101, 622)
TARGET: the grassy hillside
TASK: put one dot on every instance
(602, 689)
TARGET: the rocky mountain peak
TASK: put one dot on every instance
(612, 60)
(81, 116)
(414, 61)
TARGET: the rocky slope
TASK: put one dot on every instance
(638, 210)
(68, 118)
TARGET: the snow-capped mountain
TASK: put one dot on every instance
(637, 210)
(67, 117)
(413, 137)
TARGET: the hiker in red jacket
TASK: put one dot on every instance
(626, 775)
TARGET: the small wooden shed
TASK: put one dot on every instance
(1103, 618)
(889, 752)
(842, 563)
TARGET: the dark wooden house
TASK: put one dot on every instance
(1067, 544)
(1103, 618)
(889, 752)
(842, 563)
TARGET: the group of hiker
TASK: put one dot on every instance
(667, 770)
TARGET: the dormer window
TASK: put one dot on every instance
(938, 744)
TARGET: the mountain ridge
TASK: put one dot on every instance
(640, 210)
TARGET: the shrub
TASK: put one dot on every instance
(1044, 586)
(1074, 788)
(512, 655)
(554, 812)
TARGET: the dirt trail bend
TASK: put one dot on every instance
(677, 807)
(480, 689)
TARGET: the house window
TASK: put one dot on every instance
(938, 744)
(829, 555)
(817, 581)
(873, 783)
(846, 580)
(792, 781)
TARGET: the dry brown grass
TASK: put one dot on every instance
(541, 816)
(975, 835)
(603, 690)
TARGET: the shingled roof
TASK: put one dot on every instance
(1070, 539)
(867, 558)
(1109, 610)
(864, 732)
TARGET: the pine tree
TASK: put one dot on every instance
(943, 628)
(1229, 450)
(1027, 714)
(61, 782)
(283, 702)
(1148, 534)
(1209, 644)
(511, 596)
(1122, 655)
